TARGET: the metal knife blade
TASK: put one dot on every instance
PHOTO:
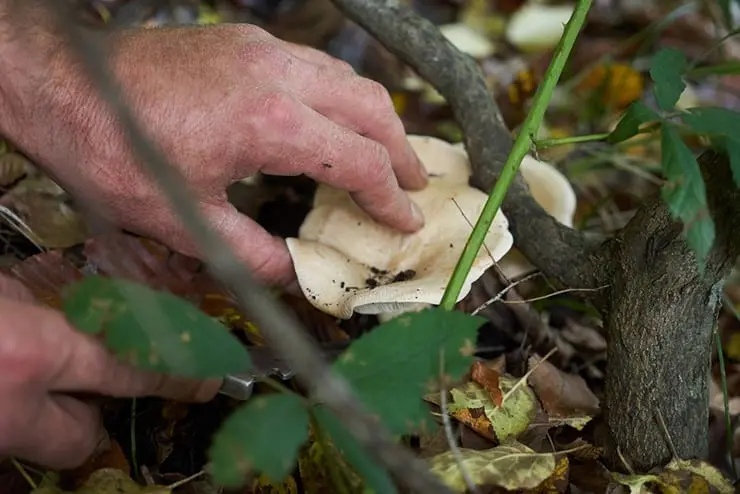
(265, 363)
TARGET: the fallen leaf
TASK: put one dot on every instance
(488, 378)
(618, 85)
(13, 166)
(562, 395)
(46, 275)
(105, 481)
(557, 483)
(511, 466)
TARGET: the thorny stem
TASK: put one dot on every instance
(281, 330)
(560, 141)
(522, 146)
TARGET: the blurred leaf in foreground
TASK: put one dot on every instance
(375, 477)
(393, 366)
(263, 436)
(154, 330)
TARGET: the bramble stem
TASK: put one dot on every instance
(522, 145)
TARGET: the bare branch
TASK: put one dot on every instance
(281, 330)
(558, 251)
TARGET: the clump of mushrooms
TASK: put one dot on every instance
(347, 263)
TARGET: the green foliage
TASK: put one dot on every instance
(722, 126)
(726, 7)
(154, 330)
(685, 193)
(629, 125)
(394, 365)
(376, 478)
(667, 70)
(264, 435)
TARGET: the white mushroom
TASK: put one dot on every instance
(537, 27)
(468, 40)
(552, 190)
(346, 262)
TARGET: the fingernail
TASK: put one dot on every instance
(418, 215)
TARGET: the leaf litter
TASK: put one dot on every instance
(533, 434)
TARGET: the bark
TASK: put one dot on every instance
(660, 321)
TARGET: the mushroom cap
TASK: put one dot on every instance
(552, 190)
(346, 262)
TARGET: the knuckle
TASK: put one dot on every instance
(276, 110)
(377, 169)
(342, 66)
(267, 57)
(378, 95)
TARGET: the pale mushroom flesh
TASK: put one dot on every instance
(348, 263)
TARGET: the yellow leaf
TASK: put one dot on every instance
(511, 466)
(618, 83)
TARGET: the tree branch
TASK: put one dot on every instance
(281, 330)
(560, 252)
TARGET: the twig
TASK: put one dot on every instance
(501, 294)
(553, 294)
(186, 480)
(447, 423)
(23, 472)
(280, 328)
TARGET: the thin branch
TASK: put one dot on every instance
(558, 251)
(281, 330)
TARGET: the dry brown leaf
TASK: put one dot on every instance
(46, 275)
(489, 379)
(562, 395)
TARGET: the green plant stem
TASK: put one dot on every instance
(719, 69)
(522, 145)
(561, 141)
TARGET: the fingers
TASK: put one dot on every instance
(301, 140)
(365, 107)
(265, 255)
(40, 349)
(60, 432)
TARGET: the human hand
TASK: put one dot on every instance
(223, 102)
(44, 363)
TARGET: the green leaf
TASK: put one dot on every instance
(629, 125)
(667, 69)
(726, 7)
(722, 124)
(375, 477)
(392, 367)
(262, 436)
(732, 148)
(712, 120)
(154, 330)
(685, 193)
